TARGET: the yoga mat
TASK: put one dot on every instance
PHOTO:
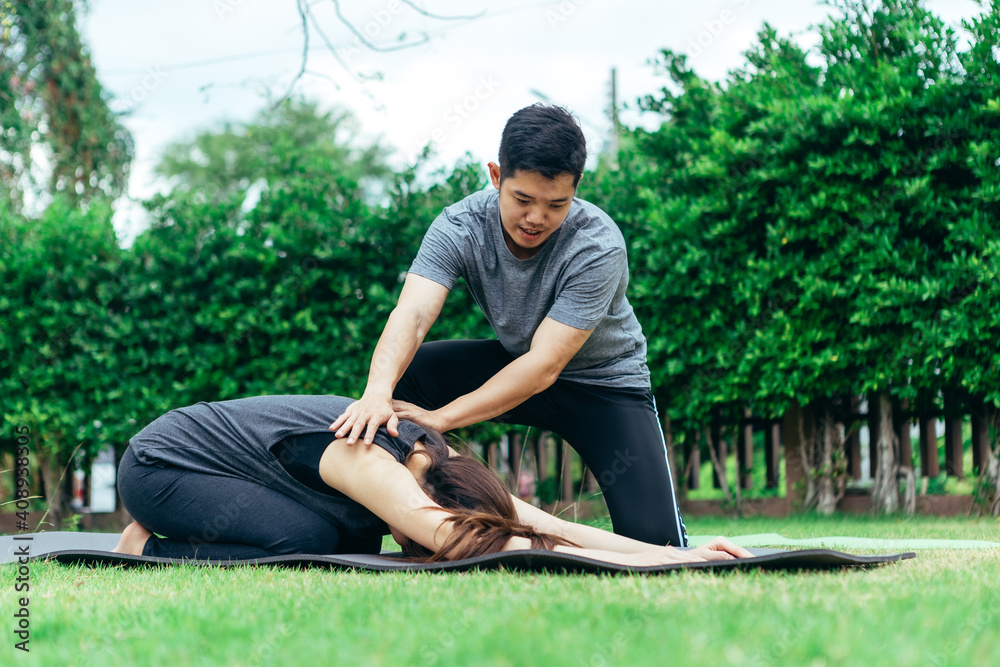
(94, 549)
(774, 539)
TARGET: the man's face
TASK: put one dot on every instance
(531, 208)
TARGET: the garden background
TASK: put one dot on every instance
(812, 236)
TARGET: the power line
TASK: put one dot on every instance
(210, 61)
(328, 47)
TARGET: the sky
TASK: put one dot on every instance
(185, 66)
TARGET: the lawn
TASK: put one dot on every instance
(942, 608)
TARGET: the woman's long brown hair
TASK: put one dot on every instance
(482, 512)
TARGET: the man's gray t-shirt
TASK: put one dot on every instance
(578, 278)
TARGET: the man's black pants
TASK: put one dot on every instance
(616, 431)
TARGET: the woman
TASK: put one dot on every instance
(263, 476)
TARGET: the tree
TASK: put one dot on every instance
(50, 98)
(810, 229)
(63, 304)
(292, 142)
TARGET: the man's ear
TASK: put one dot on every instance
(494, 174)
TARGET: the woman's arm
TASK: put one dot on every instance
(578, 533)
(374, 478)
(718, 549)
(594, 540)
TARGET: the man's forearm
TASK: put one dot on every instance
(396, 347)
(515, 383)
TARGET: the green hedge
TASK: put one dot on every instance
(810, 227)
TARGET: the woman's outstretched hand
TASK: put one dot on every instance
(718, 549)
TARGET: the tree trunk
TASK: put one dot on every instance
(692, 441)
(992, 456)
(744, 452)
(885, 492)
(794, 433)
(514, 448)
(719, 466)
(542, 457)
(53, 489)
(565, 471)
(826, 437)
(772, 454)
(852, 443)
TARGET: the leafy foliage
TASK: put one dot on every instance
(820, 225)
(50, 98)
(814, 226)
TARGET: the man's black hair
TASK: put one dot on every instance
(543, 138)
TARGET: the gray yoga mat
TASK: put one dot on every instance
(95, 549)
(776, 540)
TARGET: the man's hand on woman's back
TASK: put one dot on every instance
(363, 418)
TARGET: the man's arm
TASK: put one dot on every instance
(416, 310)
(552, 347)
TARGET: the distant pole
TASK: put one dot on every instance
(614, 114)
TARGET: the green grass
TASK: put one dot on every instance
(942, 608)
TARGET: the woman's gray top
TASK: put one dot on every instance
(234, 438)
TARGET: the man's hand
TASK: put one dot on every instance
(415, 413)
(365, 416)
(418, 306)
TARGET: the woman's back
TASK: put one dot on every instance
(235, 438)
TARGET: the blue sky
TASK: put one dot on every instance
(186, 65)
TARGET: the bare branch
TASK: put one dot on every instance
(329, 44)
(364, 40)
(307, 17)
(300, 5)
(426, 13)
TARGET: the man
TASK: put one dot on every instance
(550, 272)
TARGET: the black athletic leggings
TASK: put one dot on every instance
(219, 517)
(616, 431)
